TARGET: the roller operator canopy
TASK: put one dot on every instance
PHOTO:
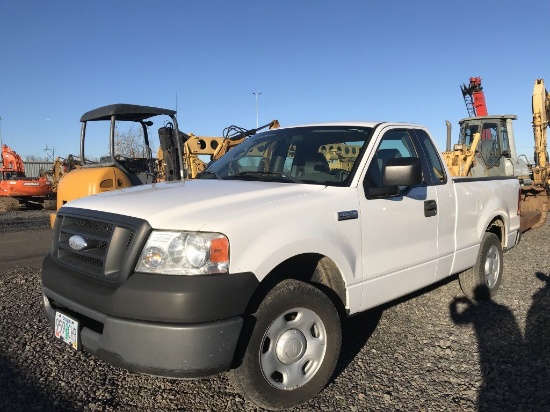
(126, 112)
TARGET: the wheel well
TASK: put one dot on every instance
(497, 227)
(312, 268)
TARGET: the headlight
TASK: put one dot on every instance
(184, 253)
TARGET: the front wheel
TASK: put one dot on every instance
(293, 347)
(483, 280)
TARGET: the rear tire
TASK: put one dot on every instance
(292, 349)
(483, 281)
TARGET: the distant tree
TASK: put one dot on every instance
(33, 158)
(130, 143)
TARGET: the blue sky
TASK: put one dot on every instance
(313, 61)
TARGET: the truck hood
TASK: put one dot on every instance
(192, 204)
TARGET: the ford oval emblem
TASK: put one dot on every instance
(77, 242)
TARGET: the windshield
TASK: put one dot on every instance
(467, 131)
(323, 155)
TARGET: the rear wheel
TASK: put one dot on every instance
(292, 349)
(483, 280)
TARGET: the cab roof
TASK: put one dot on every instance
(127, 112)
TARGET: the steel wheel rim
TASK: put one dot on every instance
(492, 266)
(293, 349)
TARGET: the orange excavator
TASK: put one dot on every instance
(16, 189)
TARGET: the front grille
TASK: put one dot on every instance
(102, 245)
(85, 259)
(94, 225)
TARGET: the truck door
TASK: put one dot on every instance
(399, 233)
(436, 176)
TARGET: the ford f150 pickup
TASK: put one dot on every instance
(251, 268)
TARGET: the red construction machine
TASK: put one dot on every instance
(474, 98)
(18, 190)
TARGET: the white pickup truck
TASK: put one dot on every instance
(252, 267)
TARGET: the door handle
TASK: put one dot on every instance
(430, 208)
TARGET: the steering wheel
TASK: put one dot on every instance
(341, 174)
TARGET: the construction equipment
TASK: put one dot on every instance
(493, 152)
(60, 167)
(536, 196)
(16, 189)
(474, 97)
(177, 157)
(115, 171)
(541, 114)
(215, 147)
(486, 147)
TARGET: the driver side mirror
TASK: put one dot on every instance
(396, 173)
(402, 171)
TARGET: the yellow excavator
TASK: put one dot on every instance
(486, 147)
(115, 171)
(212, 148)
(61, 166)
(177, 158)
(541, 114)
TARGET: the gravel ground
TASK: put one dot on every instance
(22, 220)
(433, 351)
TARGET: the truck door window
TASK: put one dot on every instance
(436, 172)
(394, 144)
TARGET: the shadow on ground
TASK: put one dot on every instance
(515, 368)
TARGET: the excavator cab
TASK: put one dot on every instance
(128, 163)
(495, 153)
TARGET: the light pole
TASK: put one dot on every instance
(0, 134)
(257, 94)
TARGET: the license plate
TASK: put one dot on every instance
(66, 329)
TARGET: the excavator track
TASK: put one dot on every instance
(8, 204)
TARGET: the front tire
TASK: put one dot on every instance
(483, 281)
(293, 347)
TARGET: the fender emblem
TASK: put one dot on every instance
(77, 242)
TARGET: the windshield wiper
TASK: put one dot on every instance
(207, 175)
(271, 176)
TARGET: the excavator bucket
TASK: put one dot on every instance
(534, 207)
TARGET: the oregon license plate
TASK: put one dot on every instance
(66, 329)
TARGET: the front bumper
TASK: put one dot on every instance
(169, 350)
(173, 326)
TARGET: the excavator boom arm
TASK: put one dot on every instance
(474, 97)
(541, 109)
